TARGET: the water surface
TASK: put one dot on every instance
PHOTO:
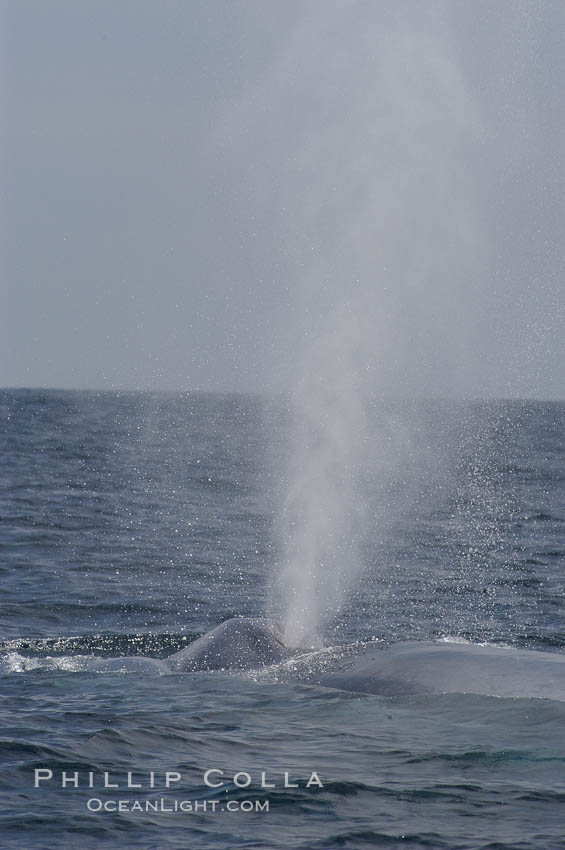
(131, 523)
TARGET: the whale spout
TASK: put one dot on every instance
(241, 643)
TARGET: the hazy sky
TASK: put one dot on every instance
(190, 190)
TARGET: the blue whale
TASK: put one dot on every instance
(241, 643)
(411, 667)
(434, 668)
(404, 668)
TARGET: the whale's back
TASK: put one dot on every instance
(238, 644)
(404, 668)
(412, 668)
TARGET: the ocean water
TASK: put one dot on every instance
(132, 523)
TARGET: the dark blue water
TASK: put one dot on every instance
(130, 524)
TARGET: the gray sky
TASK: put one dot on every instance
(192, 188)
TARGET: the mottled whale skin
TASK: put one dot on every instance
(241, 643)
(402, 668)
(432, 668)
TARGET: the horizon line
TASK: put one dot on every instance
(265, 392)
